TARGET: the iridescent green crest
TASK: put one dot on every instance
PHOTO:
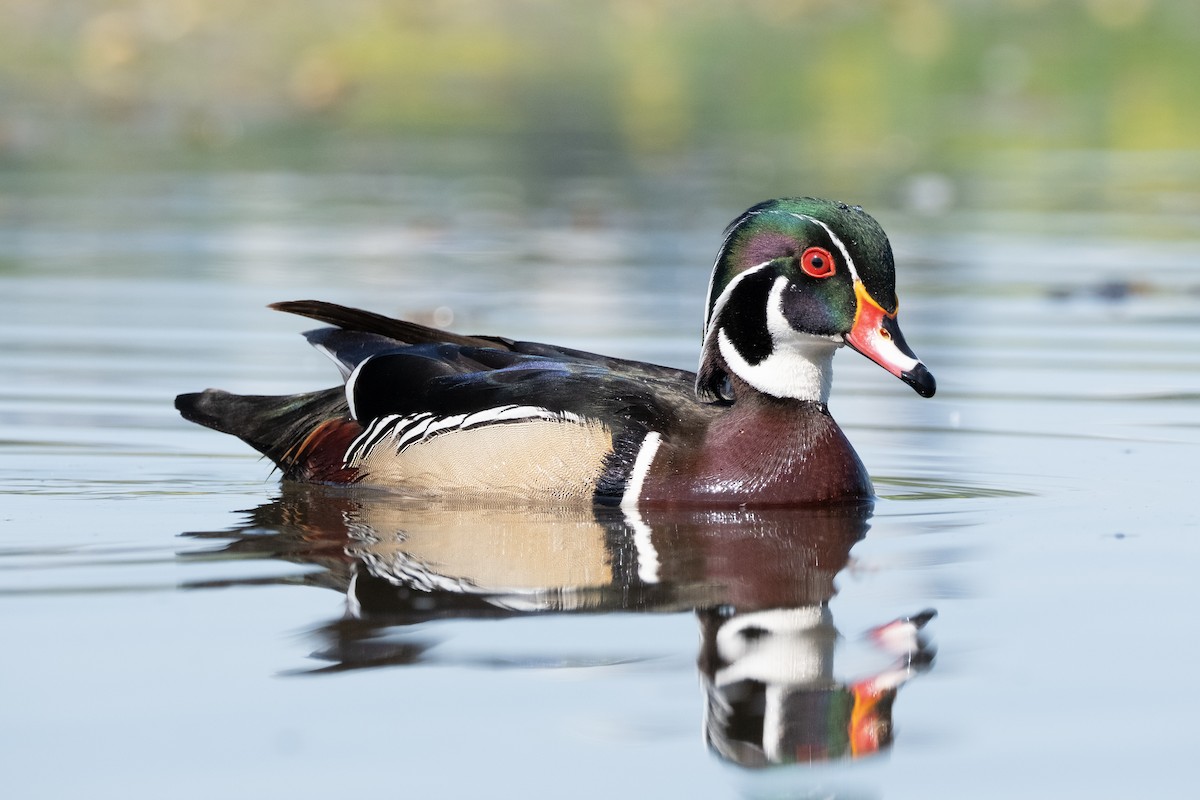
(821, 248)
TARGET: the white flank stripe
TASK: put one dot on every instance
(641, 466)
(379, 429)
(415, 431)
(403, 432)
(485, 416)
(443, 424)
(364, 440)
(511, 413)
(396, 430)
(350, 451)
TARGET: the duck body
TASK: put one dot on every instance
(487, 420)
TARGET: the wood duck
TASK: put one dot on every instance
(483, 419)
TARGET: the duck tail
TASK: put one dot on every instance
(306, 435)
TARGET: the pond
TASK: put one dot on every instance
(178, 623)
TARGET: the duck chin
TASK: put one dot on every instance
(800, 366)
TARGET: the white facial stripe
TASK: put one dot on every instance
(833, 237)
(800, 365)
(708, 300)
(724, 298)
(641, 467)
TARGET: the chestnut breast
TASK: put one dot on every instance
(762, 451)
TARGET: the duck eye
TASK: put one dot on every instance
(817, 262)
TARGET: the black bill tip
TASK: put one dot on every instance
(920, 379)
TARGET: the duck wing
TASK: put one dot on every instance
(404, 332)
(406, 383)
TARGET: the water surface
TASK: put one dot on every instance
(177, 623)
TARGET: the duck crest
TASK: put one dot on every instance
(764, 305)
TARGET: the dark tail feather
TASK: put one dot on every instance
(302, 433)
(354, 319)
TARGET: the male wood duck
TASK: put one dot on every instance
(483, 419)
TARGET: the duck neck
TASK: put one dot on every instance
(749, 400)
(799, 368)
(780, 451)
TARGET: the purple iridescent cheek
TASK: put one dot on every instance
(766, 246)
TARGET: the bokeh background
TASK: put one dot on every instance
(1021, 105)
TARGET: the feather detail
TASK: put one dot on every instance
(355, 319)
(276, 426)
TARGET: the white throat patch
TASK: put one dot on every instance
(800, 365)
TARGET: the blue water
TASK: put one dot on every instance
(178, 624)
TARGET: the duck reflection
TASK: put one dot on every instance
(759, 581)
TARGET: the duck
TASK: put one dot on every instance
(485, 420)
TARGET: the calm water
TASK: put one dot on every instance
(176, 623)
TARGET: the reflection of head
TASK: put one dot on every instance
(771, 693)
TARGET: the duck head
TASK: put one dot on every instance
(796, 279)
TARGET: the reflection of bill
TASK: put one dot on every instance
(760, 583)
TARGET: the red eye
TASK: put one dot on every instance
(817, 262)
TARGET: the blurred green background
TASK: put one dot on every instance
(1013, 104)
